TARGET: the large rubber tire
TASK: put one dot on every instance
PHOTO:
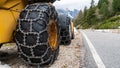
(1, 45)
(37, 34)
(37, 1)
(73, 34)
(65, 32)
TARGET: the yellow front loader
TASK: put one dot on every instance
(33, 24)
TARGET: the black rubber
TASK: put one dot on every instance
(32, 34)
(37, 1)
(73, 35)
(1, 45)
(65, 23)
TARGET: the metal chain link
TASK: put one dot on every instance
(34, 33)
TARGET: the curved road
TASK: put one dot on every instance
(102, 49)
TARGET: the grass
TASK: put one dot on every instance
(112, 23)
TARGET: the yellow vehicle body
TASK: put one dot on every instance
(9, 13)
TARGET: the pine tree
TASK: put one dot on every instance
(92, 3)
(78, 18)
(100, 3)
(116, 6)
(85, 11)
(91, 14)
(104, 10)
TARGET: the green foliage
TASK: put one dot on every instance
(113, 19)
(104, 11)
(100, 16)
(100, 3)
(109, 25)
(79, 17)
(90, 16)
(85, 11)
(116, 6)
(112, 23)
(92, 4)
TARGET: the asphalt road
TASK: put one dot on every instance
(102, 49)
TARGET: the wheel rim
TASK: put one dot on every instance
(72, 26)
(53, 34)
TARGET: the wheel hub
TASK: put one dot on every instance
(52, 34)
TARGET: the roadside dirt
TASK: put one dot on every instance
(70, 56)
(115, 31)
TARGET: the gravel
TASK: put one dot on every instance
(4, 66)
(70, 56)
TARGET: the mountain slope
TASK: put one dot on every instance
(99, 15)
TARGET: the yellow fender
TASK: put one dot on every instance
(7, 25)
(9, 13)
(2, 2)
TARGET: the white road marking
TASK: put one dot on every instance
(95, 55)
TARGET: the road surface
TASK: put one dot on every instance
(102, 49)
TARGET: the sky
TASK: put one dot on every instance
(73, 4)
